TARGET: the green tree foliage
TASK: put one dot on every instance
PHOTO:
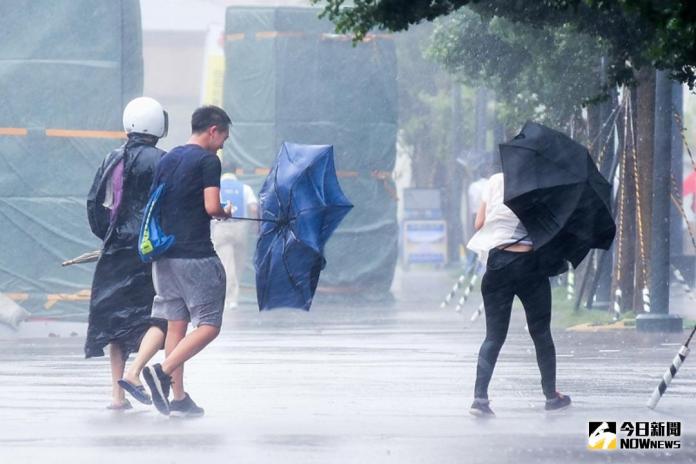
(637, 32)
(537, 73)
(672, 43)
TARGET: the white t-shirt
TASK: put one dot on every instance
(501, 226)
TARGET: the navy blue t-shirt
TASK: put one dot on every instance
(186, 171)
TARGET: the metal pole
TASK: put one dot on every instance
(659, 318)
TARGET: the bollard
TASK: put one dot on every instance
(453, 292)
(617, 304)
(671, 373)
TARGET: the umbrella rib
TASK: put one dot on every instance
(290, 194)
(287, 269)
(275, 189)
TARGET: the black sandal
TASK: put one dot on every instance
(136, 391)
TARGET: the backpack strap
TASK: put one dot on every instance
(152, 240)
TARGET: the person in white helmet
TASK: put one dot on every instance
(122, 289)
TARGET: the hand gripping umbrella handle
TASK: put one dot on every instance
(671, 372)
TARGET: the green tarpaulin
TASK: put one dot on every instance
(65, 66)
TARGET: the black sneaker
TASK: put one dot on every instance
(185, 408)
(481, 408)
(557, 403)
(159, 384)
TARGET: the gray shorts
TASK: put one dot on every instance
(189, 290)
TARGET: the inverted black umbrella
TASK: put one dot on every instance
(301, 206)
(555, 189)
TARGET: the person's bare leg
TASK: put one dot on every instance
(176, 331)
(188, 347)
(149, 346)
(118, 364)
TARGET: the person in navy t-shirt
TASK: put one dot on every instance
(189, 278)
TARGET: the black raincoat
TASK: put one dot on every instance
(122, 290)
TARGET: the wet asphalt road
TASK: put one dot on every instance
(368, 384)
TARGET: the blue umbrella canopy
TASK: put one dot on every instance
(301, 205)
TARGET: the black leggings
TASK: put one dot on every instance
(509, 274)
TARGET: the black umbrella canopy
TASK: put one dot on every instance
(554, 187)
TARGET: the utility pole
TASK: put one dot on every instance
(645, 146)
(659, 319)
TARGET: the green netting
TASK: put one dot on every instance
(288, 77)
(64, 64)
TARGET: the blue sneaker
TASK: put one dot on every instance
(159, 384)
(185, 408)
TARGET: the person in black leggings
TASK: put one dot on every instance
(512, 269)
(509, 274)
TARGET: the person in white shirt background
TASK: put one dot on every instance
(231, 237)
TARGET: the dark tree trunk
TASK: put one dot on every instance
(626, 222)
(645, 129)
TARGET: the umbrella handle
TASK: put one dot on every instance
(252, 219)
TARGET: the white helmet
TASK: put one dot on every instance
(144, 115)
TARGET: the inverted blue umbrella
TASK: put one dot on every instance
(301, 205)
